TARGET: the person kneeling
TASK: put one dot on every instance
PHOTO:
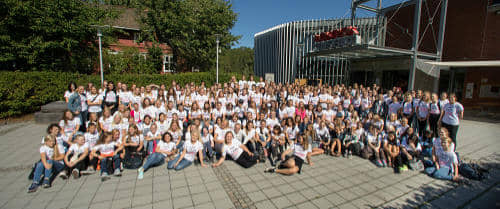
(164, 148)
(301, 151)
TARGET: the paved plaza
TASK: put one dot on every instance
(330, 183)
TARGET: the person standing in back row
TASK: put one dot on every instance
(451, 114)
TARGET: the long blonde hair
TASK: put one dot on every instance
(196, 133)
(56, 147)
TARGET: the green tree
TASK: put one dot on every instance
(49, 35)
(237, 60)
(189, 28)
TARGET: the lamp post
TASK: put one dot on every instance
(99, 34)
(217, 36)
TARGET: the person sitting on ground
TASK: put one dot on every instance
(293, 164)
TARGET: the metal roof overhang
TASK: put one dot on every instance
(366, 51)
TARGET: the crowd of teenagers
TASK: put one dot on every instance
(122, 126)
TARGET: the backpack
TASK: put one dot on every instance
(472, 171)
(132, 161)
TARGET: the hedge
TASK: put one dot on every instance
(26, 92)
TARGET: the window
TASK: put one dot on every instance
(167, 64)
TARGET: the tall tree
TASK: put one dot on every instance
(238, 60)
(49, 35)
(189, 28)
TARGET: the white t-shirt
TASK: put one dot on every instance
(451, 113)
(299, 151)
(292, 132)
(110, 96)
(70, 126)
(234, 150)
(207, 138)
(446, 158)
(106, 123)
(165, 146)
(162, 127)
(49, 152)
(105, 149)
(77, 149)
(150, 134)
(423, 109)
(67, 94)
(94, 99)
(191, 149)
(91, 139)
(394, 108)
(125, 96)
(370, 138)
(136, 139)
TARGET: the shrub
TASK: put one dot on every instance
(25, 92)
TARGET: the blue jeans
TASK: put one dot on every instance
(155, 159)
(150, 146)
(207, 147)
(115, 160)
(39, 169)
(443, 172)
(183, 164)
(180, 146)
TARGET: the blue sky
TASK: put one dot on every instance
(257, 15)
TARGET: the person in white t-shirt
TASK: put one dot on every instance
(445, 161)
(239, 152)
(164, 149)
(69, 124)
(291, 165)
(76, 155)
(451, 114)
(133, 142)
(188, 154)
(50, 158)
(152, 137)
(106, 150)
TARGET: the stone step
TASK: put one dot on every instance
(54, 107)
(47, 117)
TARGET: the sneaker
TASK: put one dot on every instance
(141, 173)
(384, 163)
(63, 174)
(90, 170)
(104, 176)
(379, 163)
(75, 173)
(403, 168)
(33, 187)
(345, 155)
(270, 170)
(46, 183)
(117, 172)
(349, 155)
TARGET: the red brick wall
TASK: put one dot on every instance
(471, 33)
(481, 76)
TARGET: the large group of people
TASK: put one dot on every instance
(125, 126)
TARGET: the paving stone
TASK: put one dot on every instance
(322, 203)
(281, 202)
(347, 194)
(101, 205)
(296, 198)
(218, 194)
(335, 199)
(142, 200)
(271, 192)
(182, 202)
(223, 203)
(200, 198)
(163, 204)
(348, 206)
(307, 205)
(179, 192)
(257, 196)
(122, 203)
(310, 194)
(265, 205)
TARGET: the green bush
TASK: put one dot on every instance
(25, 92)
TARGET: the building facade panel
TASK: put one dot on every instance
(282, 50)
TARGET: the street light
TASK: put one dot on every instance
(217, 36)
(99, 34)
